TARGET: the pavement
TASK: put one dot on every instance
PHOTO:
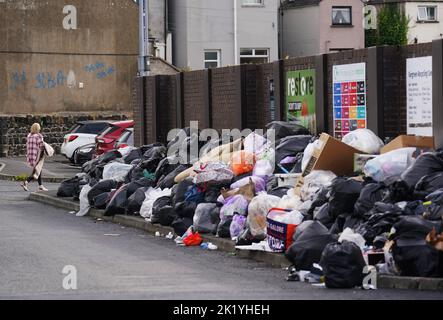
(56, 169)
(115, 262)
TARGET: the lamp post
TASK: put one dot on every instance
(143, 59)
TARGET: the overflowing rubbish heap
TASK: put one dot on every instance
(331, 207)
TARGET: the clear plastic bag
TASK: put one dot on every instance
(389, 165)
(257, 212)
(314, 181)
(364, 140)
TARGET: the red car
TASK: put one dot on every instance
(106, 140)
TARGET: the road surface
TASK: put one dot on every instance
(37, 241)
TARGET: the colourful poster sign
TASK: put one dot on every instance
(300, 98)
(349, 98)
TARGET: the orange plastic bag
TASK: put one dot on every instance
(242, 162)
(193, 239)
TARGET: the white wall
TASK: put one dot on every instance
(300, 32)
(258, 27)
(424, 32)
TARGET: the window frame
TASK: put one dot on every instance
(341, 24)
(426, 7)
(218, 61)
(253, 55)
(260, 4)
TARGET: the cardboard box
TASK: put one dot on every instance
(406, 141)
(332, 155)
(360, 161)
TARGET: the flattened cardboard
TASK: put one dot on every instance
(407, 141)
(332, 155)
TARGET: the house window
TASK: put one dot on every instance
(341, 16)
(252, 2)
(254, 56)
(212, 59)
(427, 13)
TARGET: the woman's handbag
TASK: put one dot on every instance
(49, 151)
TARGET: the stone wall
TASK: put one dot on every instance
(14, 129)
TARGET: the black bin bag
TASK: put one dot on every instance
(291, 146)
(101, 187)
(426, 164)
(223, 229)
(310, 239)
(157, 209)
(135, 201)
(181, 225)
(343, 265)
(413, 256)
(117, 205)
(207, 218)
(369, 195)
(428, 184)
(343, 196)
(101, 201)
(68, 188)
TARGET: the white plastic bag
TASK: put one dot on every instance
(150, 196)
(84, 202)
(263, 168)
(307, 154)
(349, 235)
(255, 143)
(364, 140)
(116, 171)
(314, 181)
(389, 165)
(293, 217)
(126, 150)
(257, 212)
(290, 201)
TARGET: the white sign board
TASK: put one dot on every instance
(419, 96)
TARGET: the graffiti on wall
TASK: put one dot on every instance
(100, 69)
(42, 80)
(51, 80)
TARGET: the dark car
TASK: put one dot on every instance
(84, 154)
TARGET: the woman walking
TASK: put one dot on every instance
(35, 147)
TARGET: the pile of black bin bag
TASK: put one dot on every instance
(412, 206)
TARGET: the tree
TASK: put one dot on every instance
(392, 27)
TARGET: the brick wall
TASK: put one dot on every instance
(137, 92)
(194, 105)
(239, 97)
(394, 85)
(151, 111)
(166, 100)
(226, 98)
